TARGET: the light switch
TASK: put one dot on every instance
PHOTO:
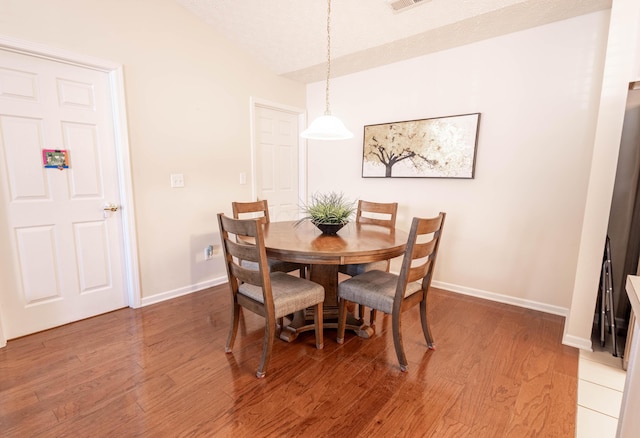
(177, 180)
(243, 178)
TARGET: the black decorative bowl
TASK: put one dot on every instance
(329, 228)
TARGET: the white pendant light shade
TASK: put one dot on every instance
(326, 127)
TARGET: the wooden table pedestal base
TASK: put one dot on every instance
(303, 321)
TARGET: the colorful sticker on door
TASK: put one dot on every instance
(55, 158)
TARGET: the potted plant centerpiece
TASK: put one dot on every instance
(329, 211)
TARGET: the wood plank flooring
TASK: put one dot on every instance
(161, 371)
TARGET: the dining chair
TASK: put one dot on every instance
(259, 210)
(376, 213)
(269, 294)
(391, 293)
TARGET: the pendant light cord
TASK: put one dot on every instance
(326, 109)
(327, 127)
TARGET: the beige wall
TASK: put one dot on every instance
(513, 232)
(188, 96)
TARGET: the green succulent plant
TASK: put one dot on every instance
(328, 208)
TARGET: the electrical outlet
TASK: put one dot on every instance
(208, 252)
(177, 180)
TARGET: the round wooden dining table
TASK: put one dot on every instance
(303, 242)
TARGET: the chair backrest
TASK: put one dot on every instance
(420, 255)
(243, 210)
(248, 244)
(377, 213)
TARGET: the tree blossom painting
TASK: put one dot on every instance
(443, 147)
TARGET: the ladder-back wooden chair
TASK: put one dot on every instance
(376, 213)
(391, 293)
(269, 294)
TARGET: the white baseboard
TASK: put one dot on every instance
(491, 296)
(575, 341)
(164, 296)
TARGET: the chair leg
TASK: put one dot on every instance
(318, 318)
(280, 323)
(235, 316)
(342, 320)
(267, 346)
(397, 342)
(372, 317)
(425, 324)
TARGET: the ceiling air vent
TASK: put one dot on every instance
(401, 5)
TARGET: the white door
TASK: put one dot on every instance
(67, 249)
(277, 162)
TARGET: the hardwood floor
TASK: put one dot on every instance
(161, 371)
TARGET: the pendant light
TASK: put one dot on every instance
(327, 127)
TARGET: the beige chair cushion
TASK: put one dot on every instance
(274, 265)
(360, 268)
(289, 293)
(375, 289)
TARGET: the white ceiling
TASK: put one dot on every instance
(290, 36)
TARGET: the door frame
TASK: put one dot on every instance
(123, 162)
(302, 144)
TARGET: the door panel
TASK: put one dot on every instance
(39, 264)
(29, 183)
(266, 174)
(18, 84)
(85, 180)
(68, 250)
(92, 250)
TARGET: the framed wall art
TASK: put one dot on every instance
(441, 147)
